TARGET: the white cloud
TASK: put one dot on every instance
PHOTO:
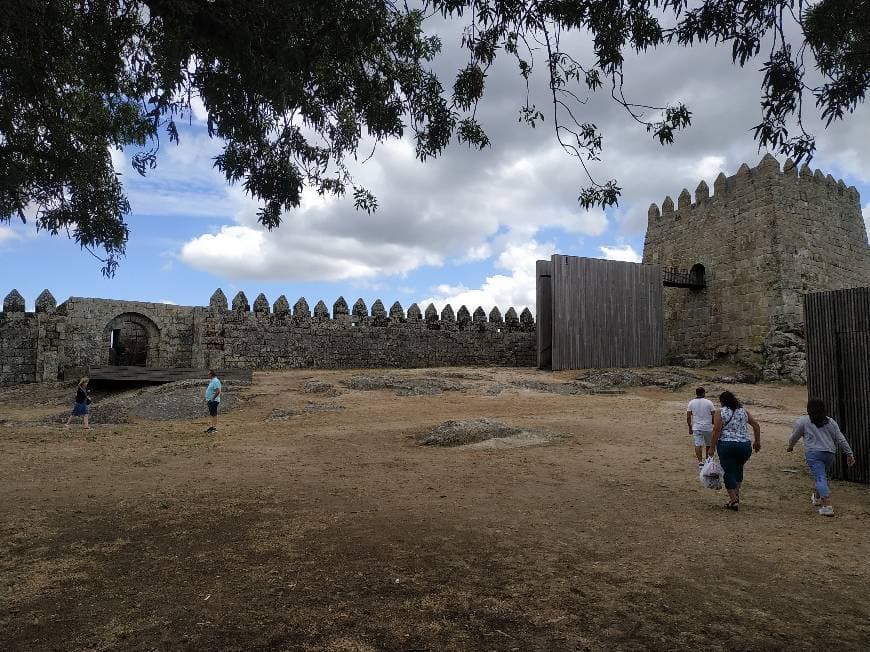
(168, 302)
(7, 235)
(249, 252)
(620, 252)
(708, 167)
(516, 288)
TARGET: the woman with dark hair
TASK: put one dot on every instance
(80, 407)
(821, 436)
(732, 442)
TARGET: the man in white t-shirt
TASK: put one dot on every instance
(699, 416)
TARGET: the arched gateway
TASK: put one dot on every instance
(131, 340)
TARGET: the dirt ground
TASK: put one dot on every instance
(314, 521)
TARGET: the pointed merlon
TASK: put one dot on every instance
(702, 192)
(805, 171)
(431, 313)
(320, 309)
(684, 200)
(720, 185)
(13, 302)
(397, 312)
(831, 181)
(45, 302)
(414, 313)
(339, 307)
(281, 306)
(511, 318)
(378, 309)
(841, 184)
(527, 320)
(668, 206)
(744, 171)
(218, 301)
(653, 212)
(240, 302)
(819, 176)
(789, 167)
(768, 165)
(261, 304)
(447, 314)
(495, 316)
(462, 315)
(854, 194)
(360, 309)
(302, 311)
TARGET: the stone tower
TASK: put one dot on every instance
(763, 239)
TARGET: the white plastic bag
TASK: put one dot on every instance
(711, 474)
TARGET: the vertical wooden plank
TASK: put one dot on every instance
(544, 312)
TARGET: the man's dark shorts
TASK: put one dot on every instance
(213, 408)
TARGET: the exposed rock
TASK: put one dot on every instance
(611, 378)
(483, 433)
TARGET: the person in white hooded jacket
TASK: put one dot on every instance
(821, 436)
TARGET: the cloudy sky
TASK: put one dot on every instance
(465, 228)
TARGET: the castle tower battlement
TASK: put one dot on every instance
(765, 236)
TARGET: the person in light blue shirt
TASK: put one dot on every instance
(213, 399)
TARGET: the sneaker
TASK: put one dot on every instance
(827, 510)
(815, 500)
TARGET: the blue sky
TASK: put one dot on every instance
(465, 228)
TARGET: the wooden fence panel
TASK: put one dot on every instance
(838, 368)
(605, 313)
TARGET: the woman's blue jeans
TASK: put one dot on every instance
(820, 463)
(733, 455)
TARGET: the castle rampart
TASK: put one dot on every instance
(64, 341)
(764, 238)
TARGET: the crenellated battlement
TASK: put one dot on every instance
(66, 340)
(765, 236)
(748, 179)
(360, 314)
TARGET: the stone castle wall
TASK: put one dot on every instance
(765, 237)
(65, 341)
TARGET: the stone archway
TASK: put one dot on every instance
(698, 275)
(131, 340)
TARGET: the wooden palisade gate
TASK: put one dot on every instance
(838, 368)
(598, 313)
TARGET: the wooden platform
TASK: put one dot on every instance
(156, 375)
